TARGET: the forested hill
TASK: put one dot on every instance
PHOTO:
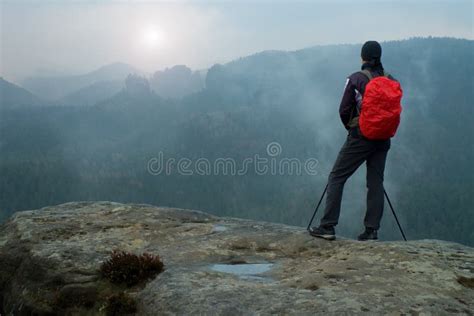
(13, 96)
(56, 154)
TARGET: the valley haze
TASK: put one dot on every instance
(92, 136)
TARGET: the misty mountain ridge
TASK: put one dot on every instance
(287, 97)
(93, 94)
(176, 82)
(14, 96)
(54, 88)
(171, 83)
(96, 86)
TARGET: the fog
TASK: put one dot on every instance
(73, 37)
(223, 80)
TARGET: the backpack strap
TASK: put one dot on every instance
(367, 74)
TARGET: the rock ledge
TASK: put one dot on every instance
(50, 259)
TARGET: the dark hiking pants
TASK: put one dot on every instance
(355, 151)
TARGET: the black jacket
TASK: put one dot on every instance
(354, 90)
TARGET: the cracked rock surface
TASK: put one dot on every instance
(50, 259)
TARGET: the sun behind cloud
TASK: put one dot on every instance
(151, 37)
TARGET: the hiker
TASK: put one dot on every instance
(366, 142)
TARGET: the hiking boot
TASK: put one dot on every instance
(368, 234)
(325, 232)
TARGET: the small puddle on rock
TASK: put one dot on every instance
(244, 270)
(219, 228)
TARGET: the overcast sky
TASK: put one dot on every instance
(65, 37)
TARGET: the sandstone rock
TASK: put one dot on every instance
(50, 259)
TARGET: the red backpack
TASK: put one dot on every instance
(380, 110)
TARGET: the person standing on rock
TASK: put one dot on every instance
(370, 111)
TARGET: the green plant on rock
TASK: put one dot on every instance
(129, 268)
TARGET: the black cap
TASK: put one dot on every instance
(371, 50)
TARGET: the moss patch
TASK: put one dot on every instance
(131, 269)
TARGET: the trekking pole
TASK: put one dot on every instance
(319, 203)
(391, 207)
(394, 215)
